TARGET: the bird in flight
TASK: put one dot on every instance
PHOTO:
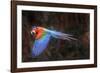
(42, 37)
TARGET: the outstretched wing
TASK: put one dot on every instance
(60, 35)
(40, 45)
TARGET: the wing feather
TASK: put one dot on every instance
(40, 45)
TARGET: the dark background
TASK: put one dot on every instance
(76, 24)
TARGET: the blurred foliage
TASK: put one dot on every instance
(76, 24)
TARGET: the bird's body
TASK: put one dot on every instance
(42, 38)
(40, 45)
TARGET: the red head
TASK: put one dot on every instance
(37, 32)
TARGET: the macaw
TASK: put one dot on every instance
(42, 37)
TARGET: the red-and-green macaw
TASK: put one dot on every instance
(42, 38)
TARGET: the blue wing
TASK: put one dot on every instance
(60, 35)
(40, 45)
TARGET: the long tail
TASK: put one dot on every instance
(60, 35)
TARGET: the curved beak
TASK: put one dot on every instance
(33, 32)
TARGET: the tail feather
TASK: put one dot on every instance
(60, 35)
